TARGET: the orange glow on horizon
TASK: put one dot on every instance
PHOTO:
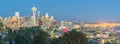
(104, 25)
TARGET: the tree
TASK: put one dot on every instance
(1, 40)
(24, 35)
(27, 35)
(73, 37)
(55, 41)
(40, 37)
(1, 26)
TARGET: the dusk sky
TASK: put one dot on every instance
(71, 10)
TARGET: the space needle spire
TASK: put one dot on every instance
(34, 13)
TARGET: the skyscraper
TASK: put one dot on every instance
(17, 15)
(46, 17)
(43, 19)
(34, 12)
(52, 19)
(46, 20)
(39, 19)
(39, 14)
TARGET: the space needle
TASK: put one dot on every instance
(34, 12)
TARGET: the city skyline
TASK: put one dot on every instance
(78, 10)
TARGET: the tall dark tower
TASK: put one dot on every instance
(39, 20)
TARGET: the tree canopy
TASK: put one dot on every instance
(36, 35)
(72, 37)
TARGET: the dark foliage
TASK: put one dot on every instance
(72, 37)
